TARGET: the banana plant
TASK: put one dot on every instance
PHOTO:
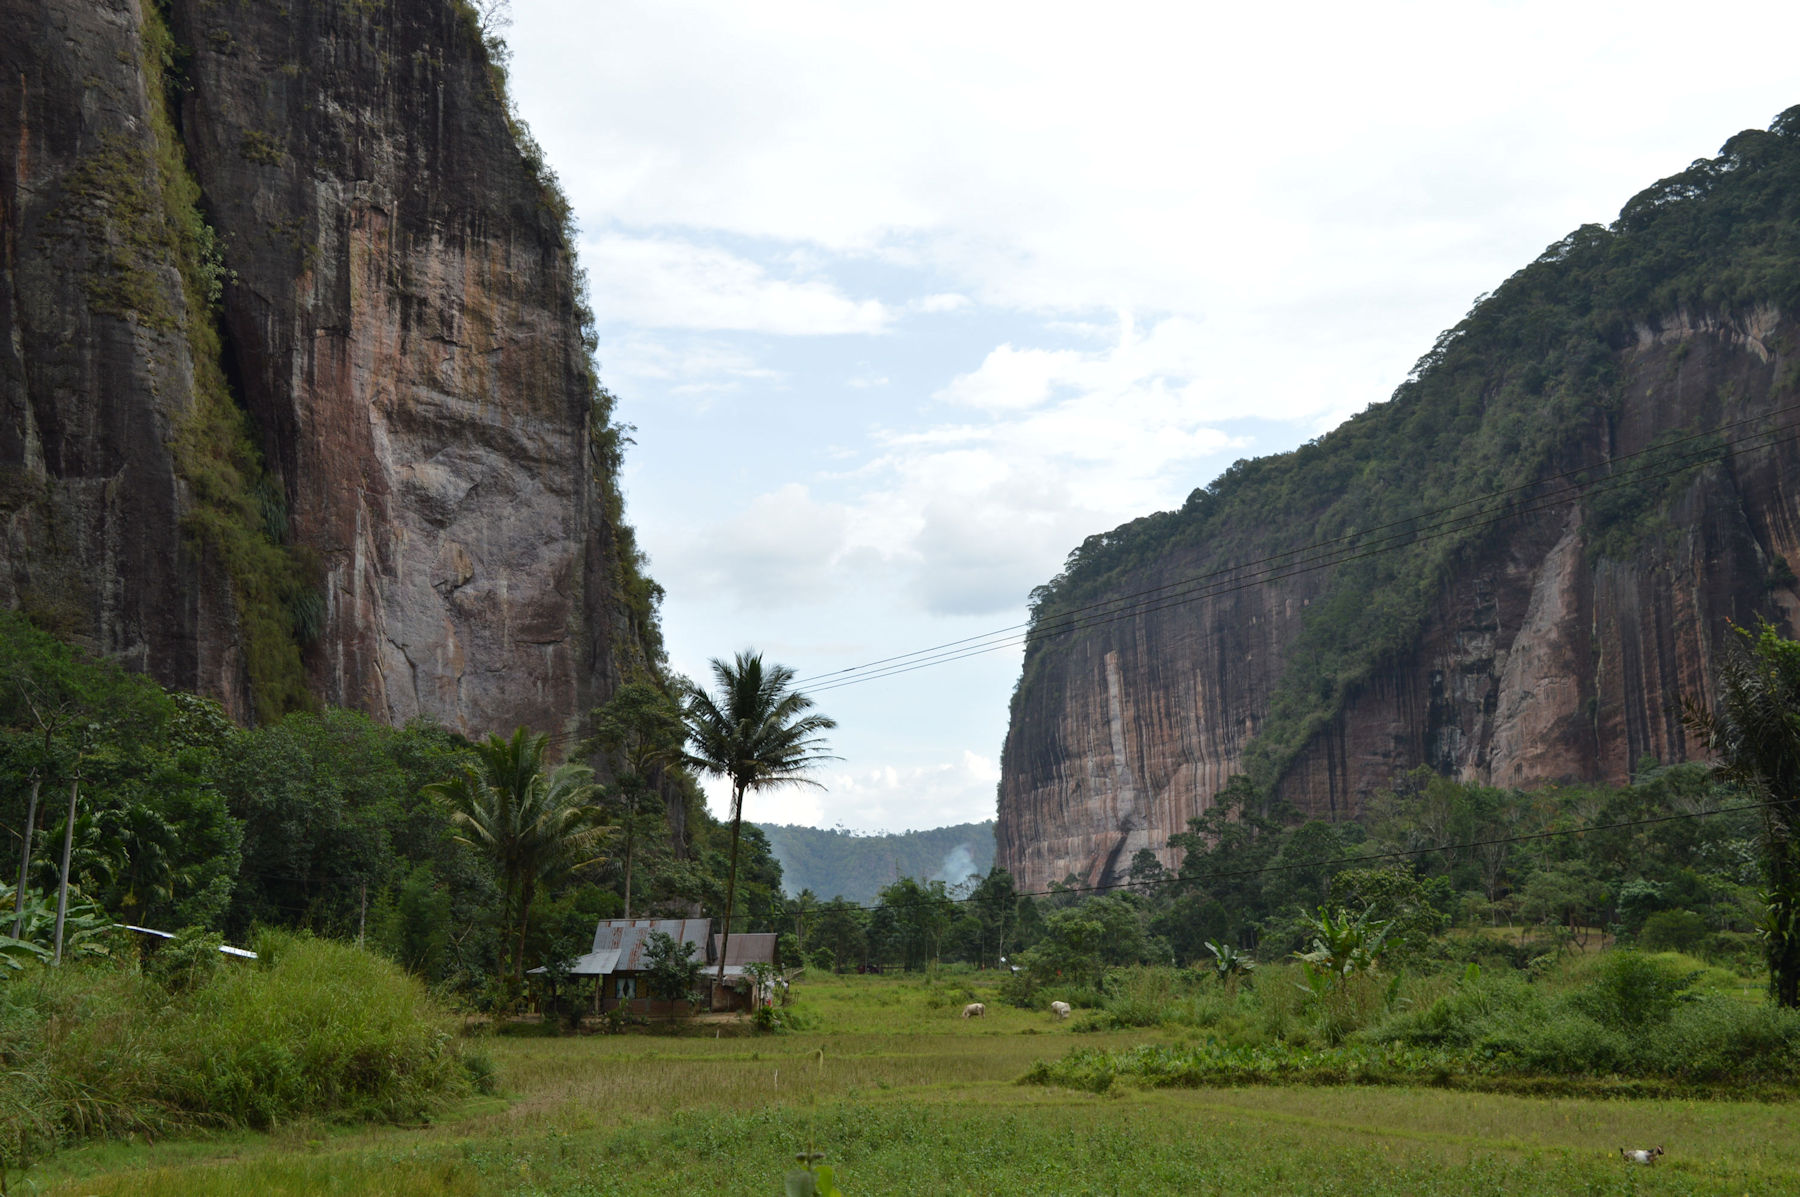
(1228, 963)
(87, 930)
(1344, 943)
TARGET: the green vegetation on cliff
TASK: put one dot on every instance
(237, 514)
(1503, 402)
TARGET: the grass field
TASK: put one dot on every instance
(906, 1097)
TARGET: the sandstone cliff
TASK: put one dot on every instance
(296, 401)
(1514, 572)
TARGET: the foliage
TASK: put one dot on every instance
(640, 732)
(313, 1029)
(674, 969)
(1754, 731)
(1228, 963)
(535, 824)
(759, 733)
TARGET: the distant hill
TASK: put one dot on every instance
(834, 863)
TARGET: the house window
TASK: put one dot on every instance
(625, 988)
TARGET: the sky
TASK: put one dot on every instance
(905, 300)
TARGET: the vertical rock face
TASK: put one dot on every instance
(1543, 659)
(95, 371)
(1514, 573)
(401, 323)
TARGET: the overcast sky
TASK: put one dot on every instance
(907, 299)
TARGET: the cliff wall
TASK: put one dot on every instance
(1582, 517)
(296, 401)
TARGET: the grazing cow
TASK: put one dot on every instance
(1060, 1009)
(1640, 1155)
(974, 1010)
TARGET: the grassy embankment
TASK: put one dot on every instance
(906, 1097)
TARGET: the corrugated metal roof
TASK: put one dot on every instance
(629, 938)
(589, 964)
(755, 947)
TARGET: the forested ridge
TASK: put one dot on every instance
(833, 862)
(1515, 394)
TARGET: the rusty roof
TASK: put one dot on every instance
(755, 947)
(628, 937)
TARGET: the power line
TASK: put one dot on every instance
(1296, 564)
(818, 679)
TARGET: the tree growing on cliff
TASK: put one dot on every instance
(758, 731)
(533, 823)
(1754, 731)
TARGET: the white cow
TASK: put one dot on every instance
(1060, 1009)
(974, 1010)
(1640, 1155)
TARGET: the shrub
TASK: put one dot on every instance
(313, 1028)
(1673, 930)
(318, 1028)
(1632, 989)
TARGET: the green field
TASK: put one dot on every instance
(905, 1096)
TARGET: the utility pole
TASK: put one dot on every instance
(25, 859)
(62, 888)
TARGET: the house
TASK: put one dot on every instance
(619, 960)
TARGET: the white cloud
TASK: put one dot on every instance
(778, 550)
(685, 365)
(942, 302)
(966, 517)
(657, 282)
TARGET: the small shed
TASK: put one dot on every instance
(738, 991)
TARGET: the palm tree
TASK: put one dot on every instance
(756, 731)
(534, 825)
(1754, 733)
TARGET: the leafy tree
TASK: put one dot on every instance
(757, 732)
(995, 904)
(841, 928)
(534, 824)
(921, 916)
(674, 972)
(1070, 952)
(640, 731)
(1754, 731)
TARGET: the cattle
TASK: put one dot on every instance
(1640, 1155)
(1060, 1009)
(974, 1010)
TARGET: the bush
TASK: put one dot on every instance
(1673, 931)
(318, 1028)
(313, 1028)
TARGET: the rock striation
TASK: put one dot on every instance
(1548, 630)
(296, 395)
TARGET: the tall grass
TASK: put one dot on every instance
(1628, 1021)
(313, 1029)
